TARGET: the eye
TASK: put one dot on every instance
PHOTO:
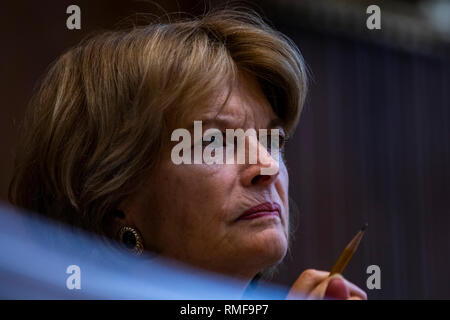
(212, 138)
(282, 139)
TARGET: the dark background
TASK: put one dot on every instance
(372, 144)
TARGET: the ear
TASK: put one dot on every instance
(127, 212)
(118, 214)
(113, 221)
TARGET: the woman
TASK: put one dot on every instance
(98, 143)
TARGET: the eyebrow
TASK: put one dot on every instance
(220, 122)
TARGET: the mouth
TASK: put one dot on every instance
(262, 210)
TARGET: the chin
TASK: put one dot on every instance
(270, 247)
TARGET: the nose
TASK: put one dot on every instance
(266, 169)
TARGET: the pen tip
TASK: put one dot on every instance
(364, 227)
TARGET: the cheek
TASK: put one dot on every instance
(198, 192)
(282, 187)
(194, 201)
(283, 184)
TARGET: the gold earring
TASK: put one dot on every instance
(132, 240)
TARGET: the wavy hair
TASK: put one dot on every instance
(96, 125)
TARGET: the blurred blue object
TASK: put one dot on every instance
(35, 254)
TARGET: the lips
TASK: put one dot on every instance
(262, 210)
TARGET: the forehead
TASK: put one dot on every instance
(243, 105)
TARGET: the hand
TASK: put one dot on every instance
(315, 284)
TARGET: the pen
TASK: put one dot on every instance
(348, 252)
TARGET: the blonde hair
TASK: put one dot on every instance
(96, 125)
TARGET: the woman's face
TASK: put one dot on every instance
(191, 212)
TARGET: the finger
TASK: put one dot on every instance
(308, 280)
(354, 298)
(337, 289)
(355, 290)
(319, 291)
